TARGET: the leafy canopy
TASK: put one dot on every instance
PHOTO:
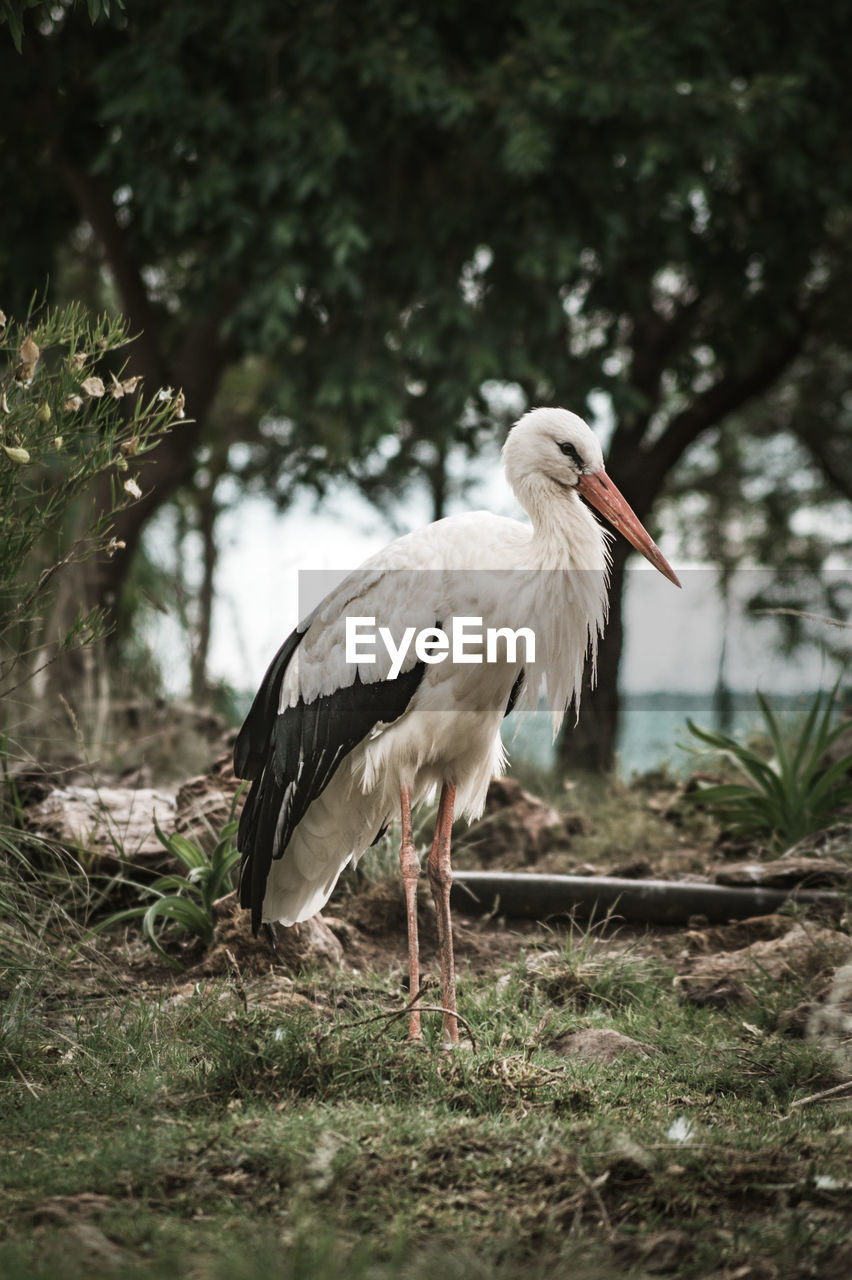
(343, 228)
(398, 204)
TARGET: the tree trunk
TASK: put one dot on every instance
(590, 744)
(641, 474)
(207, 513)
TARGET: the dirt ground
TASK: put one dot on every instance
(363, 928)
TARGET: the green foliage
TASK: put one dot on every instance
(12, 13)
(399, 203)
(377, 216)
(791, 795)
(44, 895)
(72, 432)
(185, 902)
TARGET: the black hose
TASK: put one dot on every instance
(540, 897)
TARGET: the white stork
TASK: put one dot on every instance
(334, 748)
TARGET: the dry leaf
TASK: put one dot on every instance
(131, 487)
(129, 447)
(28, 357)
(29, 352)
(93, 386)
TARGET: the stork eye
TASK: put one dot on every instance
(571, 452)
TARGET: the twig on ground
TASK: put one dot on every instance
(593, 1185)
(23, 1078)
(377, 1017)
(823, 1093)
(395, 1014)
(238, 977)
(432, 1008)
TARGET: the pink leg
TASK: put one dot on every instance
(410, 864)
(441, 879)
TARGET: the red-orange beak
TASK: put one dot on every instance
(599, 490)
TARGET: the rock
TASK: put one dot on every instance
(600, 1045)
(733, 937)
(800, 952)
(88, 1242)
(634, 869)
(111, 823)
(205, 803)
(296, 947)
(517, 827)
(787, 872)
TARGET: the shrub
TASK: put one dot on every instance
(68, 420)
(791, 795)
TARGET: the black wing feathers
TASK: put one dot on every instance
(252, 742)
(292, 757)
(515, 693)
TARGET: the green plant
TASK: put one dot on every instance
(185, 901)
(72, 427)
(791, 795)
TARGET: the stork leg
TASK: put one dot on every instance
(441, 880)
(410, 864)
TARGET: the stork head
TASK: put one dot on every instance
(553, 456)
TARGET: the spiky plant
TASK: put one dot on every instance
(792, 794)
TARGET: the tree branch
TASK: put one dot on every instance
(819, 446)
(647, 470)
(655, 340)
(199, 362)
(95, 204)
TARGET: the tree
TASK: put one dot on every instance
(12, 14)
(383, 207)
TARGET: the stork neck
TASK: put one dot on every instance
(565, 533)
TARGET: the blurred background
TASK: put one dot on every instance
(350, 245)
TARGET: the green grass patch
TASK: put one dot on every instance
(197, 1134)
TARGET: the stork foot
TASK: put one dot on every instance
(453, 1046)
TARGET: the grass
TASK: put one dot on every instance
(193, 1132)
(244, 1129)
